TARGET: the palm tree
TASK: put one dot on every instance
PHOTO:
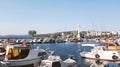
(32, 33)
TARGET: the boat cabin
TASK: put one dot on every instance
(99, 48)
(16, 52)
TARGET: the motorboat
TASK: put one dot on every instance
(17, 55)
(101, 53)
(55, 61)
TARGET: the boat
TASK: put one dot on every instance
(17, 55)
(101, 53)
(55, 61)
(111, 44)
(113, 47)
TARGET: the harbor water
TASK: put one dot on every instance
(65, 50)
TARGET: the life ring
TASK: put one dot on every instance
(114, 57)
(97, 56)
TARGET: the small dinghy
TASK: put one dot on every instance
(17, 55)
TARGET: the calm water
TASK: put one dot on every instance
(64, 50)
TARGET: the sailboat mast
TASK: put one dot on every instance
(78, 36)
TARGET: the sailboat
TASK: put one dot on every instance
(78, 35)
(78, 31)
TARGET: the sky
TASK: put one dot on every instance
(48, 16)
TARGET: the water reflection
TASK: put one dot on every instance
(100, 63)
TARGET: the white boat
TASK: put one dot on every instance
(17, 55)
(101, 52)
(55, 61)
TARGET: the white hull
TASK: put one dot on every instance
(107, 57)
(22, 62)
(32, 57)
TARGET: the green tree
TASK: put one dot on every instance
(32, 33)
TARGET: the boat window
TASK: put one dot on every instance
(17, 53)
(42, 53)
(24, 53)
(56, 64)
(111, 45)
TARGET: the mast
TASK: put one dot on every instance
(78, 31)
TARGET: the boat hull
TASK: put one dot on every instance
(14, 63)
(101, 57)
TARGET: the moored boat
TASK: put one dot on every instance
(101, 53)
(17, 55)
(112, 45)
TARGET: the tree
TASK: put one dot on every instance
(32, 33)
